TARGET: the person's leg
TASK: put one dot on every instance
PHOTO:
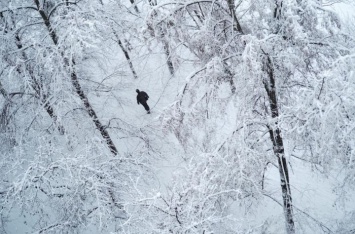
(146, 107)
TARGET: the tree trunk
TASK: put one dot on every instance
(125, 52)
(76, 84)
(135, 6)
(91, 111)
(278, 146)
(166, 46)
(168, 57)
(236, 25)
(38, 90)
(35, 86)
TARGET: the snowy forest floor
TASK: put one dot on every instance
(320, 201)
(314, 198)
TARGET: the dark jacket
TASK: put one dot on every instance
(142, 97)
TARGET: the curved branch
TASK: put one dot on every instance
(18, 8)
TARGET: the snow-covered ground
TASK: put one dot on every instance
(315, 200)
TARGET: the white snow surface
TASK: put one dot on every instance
(313, 194)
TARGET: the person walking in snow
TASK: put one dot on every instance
(142, 98)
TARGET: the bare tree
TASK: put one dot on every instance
(70, 64)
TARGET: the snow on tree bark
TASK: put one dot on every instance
(278, 146)
(125, 52)
(270, 81)
(71, 67)
(36, 85)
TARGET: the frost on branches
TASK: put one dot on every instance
(271, 87)
(63, 165)
(281, 89)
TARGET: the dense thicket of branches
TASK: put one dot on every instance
(273, 85)
(280, 61)
(61, 168)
